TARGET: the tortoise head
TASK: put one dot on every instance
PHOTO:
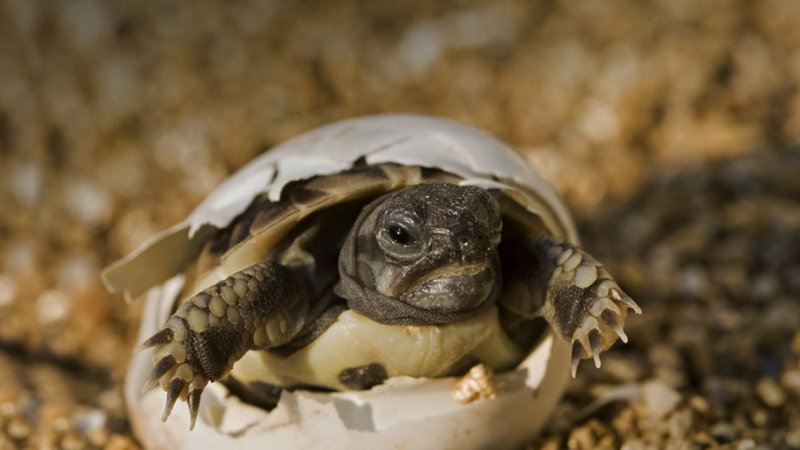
(423, 254)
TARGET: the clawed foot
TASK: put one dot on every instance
(208, 333)
(172, 371)
(193, 347)
(589, 307)
(603, 325)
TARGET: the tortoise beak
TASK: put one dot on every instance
(453, 289)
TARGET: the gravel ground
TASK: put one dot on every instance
(651, 118)
(712, 255)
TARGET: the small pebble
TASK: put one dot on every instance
(98, 437)
(770, 393)
(793, 437)
(703, 438)
(699, 404)
(8, 408)
(746, 444)
(791, 380)
(88, 202)
(72, 441)
(18, 428)
(680, 423)
(724, 432)
(625, 421)
(760, 417)
(53, 307)
(659, 398)
(27, 184)
(581, 438)
(120, 442)
(633, 444)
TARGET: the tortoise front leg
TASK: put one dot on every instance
(260, 307)
(572, 291)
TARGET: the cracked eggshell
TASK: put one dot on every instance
(401, 413)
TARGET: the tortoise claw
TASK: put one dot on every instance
(612, 322)
(159, 370)
(174, 390)
(596, 342)
(589, 306)
(625, 300)
(193, 401)
(163, 366)
(174, 368)
(164, 336)
(587, 340)
(577, 353)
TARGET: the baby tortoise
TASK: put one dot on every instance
(467, 272)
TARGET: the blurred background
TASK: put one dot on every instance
(668, 126)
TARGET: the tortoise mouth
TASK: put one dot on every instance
(453, 289)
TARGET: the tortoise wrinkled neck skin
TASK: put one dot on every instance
(423, 254)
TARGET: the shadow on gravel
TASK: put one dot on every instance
(712, 254)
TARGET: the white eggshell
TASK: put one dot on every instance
(412, 413)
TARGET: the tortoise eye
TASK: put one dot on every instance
(399, 235)
(402, 237)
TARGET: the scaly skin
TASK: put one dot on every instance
(574, 293)
(260, 307)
